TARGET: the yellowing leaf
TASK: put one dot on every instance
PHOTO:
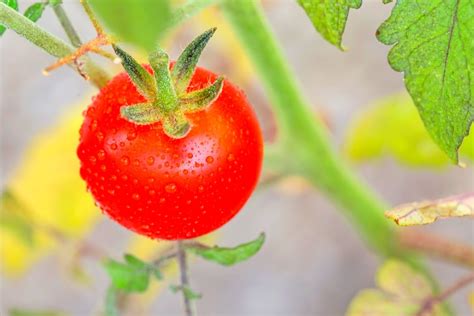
(401, 291)
(392, 127)
(426, 212)
(48, 185)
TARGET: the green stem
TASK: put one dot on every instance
(303, 146)
(67, 25)
(300, 134)
(48, 42)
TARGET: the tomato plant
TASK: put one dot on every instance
(173, 151)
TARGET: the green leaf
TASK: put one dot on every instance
(35, 11)
(13, 217)
(391, 126)
(27, 312)
(184, 67)
(434, 48)
(138, 22)
(230, 256)
(12, 4)
(132, 276)
(188, 293)
(329, 17)
(142, 79)
(54, 3)
(402, 291)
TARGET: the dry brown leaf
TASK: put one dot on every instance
(426, 212)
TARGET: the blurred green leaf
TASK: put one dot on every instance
(25, 312)
(14, 218)
(12, 4)
(402, 291)
(434, 48)
(35, 11)
(393, 127)
(133, 275)
(137, 22)
(230, 256)
(54, 3)
(190, 294)
(329, 17)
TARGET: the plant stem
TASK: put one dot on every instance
(48, 42)
(301, 135)
(432, 301)
(184, 274)
(67, 25)
(437, 246)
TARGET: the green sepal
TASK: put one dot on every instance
(166, 96)
(201, 99)
(230, 256)
(12, 4)
(176, 125)
(142, 79)
(183, 70)
(35, 11)
(141, 113)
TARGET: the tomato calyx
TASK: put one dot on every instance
(167, 99)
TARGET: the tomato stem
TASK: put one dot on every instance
(49, 43)
(184, 275)
(67, 25)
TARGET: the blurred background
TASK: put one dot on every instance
(313, 262)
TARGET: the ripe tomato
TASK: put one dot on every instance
(171, 188)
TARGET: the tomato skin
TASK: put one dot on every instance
(171, 188)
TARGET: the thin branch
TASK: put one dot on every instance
(437, 246)
(48, 42)
(67, 25)
(183, 268)
(432, 301)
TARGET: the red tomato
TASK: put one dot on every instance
(171, 188)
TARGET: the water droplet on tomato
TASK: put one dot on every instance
(125, 160)
(136, 196)
(113, 146)
(103, 167)
(230, 157)
(100, 136)
(170, 188)
(150, 161)
(101, 154)
(152, 192)
(136, 162)
(190, 155)
(124, 177)
(94, 125)
(200, 188)
(209, 159)
(113, 177)
(111, 192)
(151, 180)
(162, 200)
(132, 135)
(92, 159)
